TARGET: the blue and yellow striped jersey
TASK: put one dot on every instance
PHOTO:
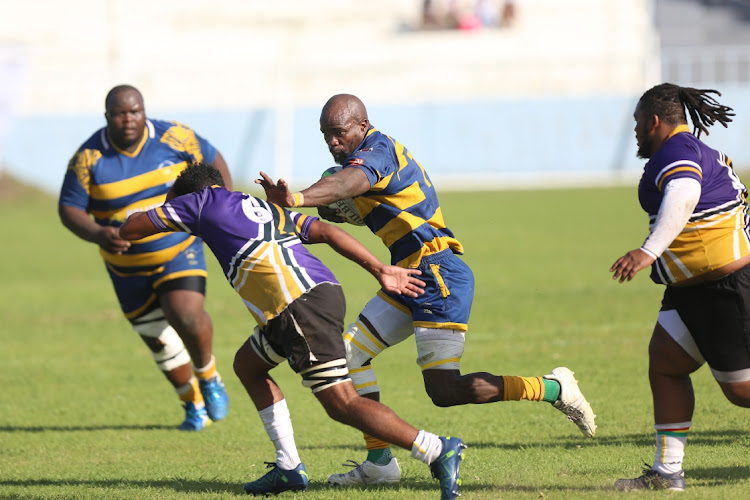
(717, 231)
(401, 206)
(111, 184)
(258, 245)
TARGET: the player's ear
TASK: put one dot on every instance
(653, 122)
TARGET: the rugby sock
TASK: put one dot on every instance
(518, 388)
(378, 451)
(278, 425)
(208, 371)
(190, 393)
(551, 390)
(670, 446)
(426, 447)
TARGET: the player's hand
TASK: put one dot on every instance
(401, 281)
(330, 214)
(276, 192)
(109, 240)
(629, 264)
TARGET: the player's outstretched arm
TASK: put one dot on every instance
(138, 226)
(344, 184)
(277, 192)
(393, 279)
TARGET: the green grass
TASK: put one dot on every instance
(86, 415)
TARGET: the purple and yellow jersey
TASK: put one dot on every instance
(401, 206)
(717, 231)
(111, 184)
(258, 245)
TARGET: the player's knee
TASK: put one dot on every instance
(194, 323)
(738, 393)
(166, 346)
(442, 394)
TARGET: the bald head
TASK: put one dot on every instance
(344, 107)
(114, 95)
(344, 124)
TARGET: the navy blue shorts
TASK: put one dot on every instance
(137, 289)
(449, 293)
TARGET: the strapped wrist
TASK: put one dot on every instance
(299, 200)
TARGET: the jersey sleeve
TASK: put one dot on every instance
(76, 185)
(189, 144)
(686, 165)
(180, 214)
(302, 224)
(373, 162)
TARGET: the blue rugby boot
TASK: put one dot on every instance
(278, 480)
(215, 397)
(196, 418)
(445, 467)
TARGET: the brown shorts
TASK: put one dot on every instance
(310, 330)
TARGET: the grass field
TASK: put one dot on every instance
(86, 415)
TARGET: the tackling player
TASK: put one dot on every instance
(398, 202)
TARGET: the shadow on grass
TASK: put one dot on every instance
(86, 428)
(703, 438)
(182, 485)
(176, 484)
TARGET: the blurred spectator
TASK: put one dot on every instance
(467, 15)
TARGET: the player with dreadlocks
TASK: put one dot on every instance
(699, 247)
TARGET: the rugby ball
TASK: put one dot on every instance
(345, 208)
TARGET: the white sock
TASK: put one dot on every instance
(670, 446)
(278, 425)
(427, 447)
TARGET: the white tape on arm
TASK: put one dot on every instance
(680, 198)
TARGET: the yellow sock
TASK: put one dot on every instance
(208, 371)
(190, 392)
(518, 388)
(373, 443)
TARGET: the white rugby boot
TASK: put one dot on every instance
(572, 402)
(367, 473)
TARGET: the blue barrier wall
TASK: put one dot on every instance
(466, 145)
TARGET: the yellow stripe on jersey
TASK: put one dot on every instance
(404, 199)
(126, 187)
(706, 244)
(685, 168)
(382, 183)
(266, 283)
(147, 258)
(431, 247)
(397, 227)
(402, 161)
(121, 214)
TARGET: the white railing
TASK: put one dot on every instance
(706, 65)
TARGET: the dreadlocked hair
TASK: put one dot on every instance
(195, 177)
(669, 102)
